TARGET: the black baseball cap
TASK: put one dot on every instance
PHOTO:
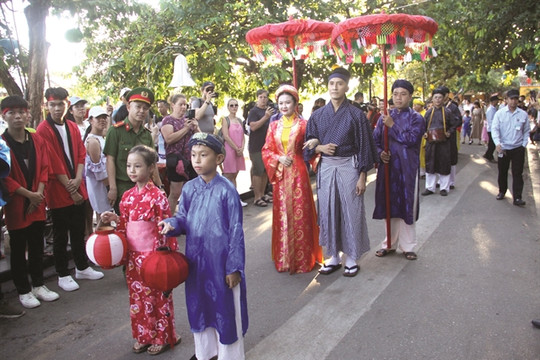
(207, 84)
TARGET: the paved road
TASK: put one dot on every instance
(470, 295)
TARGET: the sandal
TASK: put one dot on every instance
(267, 198)
(410, 255)
(384, 252)
(328, 269)
(260, 203)
(156, 349)
(351, 271)
(139, 348)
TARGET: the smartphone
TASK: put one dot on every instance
(191, 114)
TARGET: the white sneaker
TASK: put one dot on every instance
(244, 204)
(67, 283)
(43, 293)
(88, 273)
(29, 301)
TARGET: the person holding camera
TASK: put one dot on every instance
(177, 130)
(204, 109)
(258, 121)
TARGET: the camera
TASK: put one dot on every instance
(215, 94)
(191, 114)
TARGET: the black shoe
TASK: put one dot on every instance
(427, 192)
(443, 193)
(452, 187)
(500, 196)
(9, 312)
(438, 186)
(536, 323)
(519, 202)
(487, 158)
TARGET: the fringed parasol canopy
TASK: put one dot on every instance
(405, 37)
(296, 38)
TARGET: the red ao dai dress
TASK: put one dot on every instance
(152, 314)
(295, 233)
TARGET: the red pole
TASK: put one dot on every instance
(295, 79)
(386, 148)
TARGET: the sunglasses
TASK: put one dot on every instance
(233, 105)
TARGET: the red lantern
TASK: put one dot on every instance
(164, 269)
(106, 247)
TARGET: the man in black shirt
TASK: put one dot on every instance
(258, 120)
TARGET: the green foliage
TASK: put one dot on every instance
(482, 35)
(131, 44)
(211, 34)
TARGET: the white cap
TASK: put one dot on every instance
(75, 99)
(124, 91)
(96, 111)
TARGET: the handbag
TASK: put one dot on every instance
(171, 160)
(181, 166)
(436, 135)
(220, 131)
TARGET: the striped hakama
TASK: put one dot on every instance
(343, 224)
(341, 213)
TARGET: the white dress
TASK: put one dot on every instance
(95, 173)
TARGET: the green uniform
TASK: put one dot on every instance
(120, 139)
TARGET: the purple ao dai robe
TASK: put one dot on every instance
(210, 214)
(404, 145)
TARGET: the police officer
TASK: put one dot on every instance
(123, 136)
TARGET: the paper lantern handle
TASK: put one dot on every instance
(164, 248)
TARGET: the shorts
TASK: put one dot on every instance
(257, 165)
(173, 176)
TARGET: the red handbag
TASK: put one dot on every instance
(436, 135)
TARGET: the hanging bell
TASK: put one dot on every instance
(181, 76)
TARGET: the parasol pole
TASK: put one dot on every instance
(295, 78)
(386, 148)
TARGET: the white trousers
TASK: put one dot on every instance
(403, 234)
(207, 343)
(453, 175)
(431, 181)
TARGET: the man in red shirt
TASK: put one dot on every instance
(66, 192)
(25, 211)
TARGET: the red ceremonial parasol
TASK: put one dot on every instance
(385, 38)
(293, 39)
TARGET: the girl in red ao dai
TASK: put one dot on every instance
(141, 209)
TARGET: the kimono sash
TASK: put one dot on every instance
(141, 235)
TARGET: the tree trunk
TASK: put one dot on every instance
(36, 14)
(7, 80)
